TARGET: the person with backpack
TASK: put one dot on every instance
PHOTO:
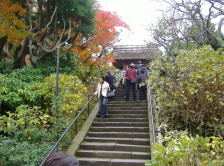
(109, 78)
(139, 68)
(142, 77)
(102, 89)
(131, 79)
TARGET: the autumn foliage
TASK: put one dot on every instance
(97, 49)
(106, 25)
(11, 26)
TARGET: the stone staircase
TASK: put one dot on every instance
(120, 140)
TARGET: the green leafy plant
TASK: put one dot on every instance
(37, 121)
(5, 67)
(186, 150)
(16, 152)
(190, 90)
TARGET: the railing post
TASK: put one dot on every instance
(151, 120)
(76, 123)
(88, 106)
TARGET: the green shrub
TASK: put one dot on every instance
(187, 151)
(9, 96)
(28, 74)
(25, 119)
(71, 92)
(41, 116)
(14, 152)
(190, 90)
(5, 67)
(11, 86)
(29, 120)
(38, 123)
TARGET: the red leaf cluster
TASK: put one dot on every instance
(107, 31)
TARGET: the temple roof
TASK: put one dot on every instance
(137, 52)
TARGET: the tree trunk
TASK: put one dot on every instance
(213, 41)
(19, 60)
(2, 44)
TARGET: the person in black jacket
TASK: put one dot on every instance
(110, 79)
(142, 77)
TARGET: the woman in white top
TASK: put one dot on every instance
(102, 89)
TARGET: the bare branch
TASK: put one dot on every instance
(6, 49)
(58, 44)
(69, 33)
(47, 49)
(62, 31)
(52, 17)
(31, 36)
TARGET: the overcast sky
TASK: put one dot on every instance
(138, 14)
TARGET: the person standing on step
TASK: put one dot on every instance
(131, 79)
(102, 88)
(109, 78)
(143, 74)
(139, 67)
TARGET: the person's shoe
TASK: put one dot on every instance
(98, 116)
(105, 117)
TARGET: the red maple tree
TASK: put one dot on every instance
(97, 49)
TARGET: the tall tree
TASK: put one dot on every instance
(188, 22)
(98, 49)
(48, 21)
(12, 28)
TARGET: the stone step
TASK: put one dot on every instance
(122, 97)
(127, 102)
(122, 120)
(119, 95)
(124, 100)
(120, 129)
(127, 112)
(127, 108)
(128, 115)
(123, 94)
(121, 124)
(114, 147)
(112, 154)
(110, 162)
(120, 91)
(133, 141)
(118, 134)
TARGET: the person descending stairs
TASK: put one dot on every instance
(120, 140)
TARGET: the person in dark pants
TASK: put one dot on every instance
(138, 68)
(109, 78)
(142, 84)
(142, 77)
(131, 78)
(102, 89)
